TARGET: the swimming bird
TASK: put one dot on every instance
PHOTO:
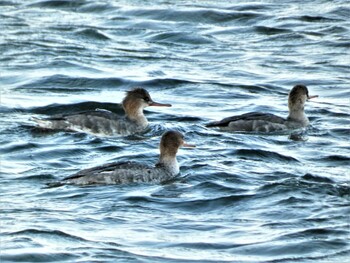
(266, 122)
(104, 122)
(133, 172)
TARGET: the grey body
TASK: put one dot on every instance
(166, 168)
(266, 122)
(258, 122)
(120, 173)
(101, 122)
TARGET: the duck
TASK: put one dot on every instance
(104, 122)
(113, 173)
(267, 122)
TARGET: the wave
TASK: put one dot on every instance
(66, 4)
(317, 19)
(262, 154)
(92, 34)
(313, 184)
(335, 159)
(64, 83)
(291, 250)
(38, 257)
(59, 82)
(210, 16)
(56, 233)
(96, 8)
(316, 233)
(8, 3)
(195, 206)
(271, 30)
(181, 38)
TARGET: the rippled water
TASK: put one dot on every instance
(240, 197)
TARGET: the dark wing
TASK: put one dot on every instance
(104, 168)
(248, 117)
(96, 122)
(91, 113)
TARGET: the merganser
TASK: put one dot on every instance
(131, 172)
(266, 122)
(104, 122)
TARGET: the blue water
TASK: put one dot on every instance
(240, 197)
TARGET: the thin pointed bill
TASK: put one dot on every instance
(312, 97)
(153, 103)
(189, 145)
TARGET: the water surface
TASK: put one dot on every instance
(240, 197)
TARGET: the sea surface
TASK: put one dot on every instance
(240, 197)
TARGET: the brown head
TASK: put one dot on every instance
(171, 141)
(298, 96)
(137, 99)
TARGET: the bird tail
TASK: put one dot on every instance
(43, 123)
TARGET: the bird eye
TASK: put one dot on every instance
(146, 99)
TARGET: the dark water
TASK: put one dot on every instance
(240, 197)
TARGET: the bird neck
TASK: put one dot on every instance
(297, 114)
(170, 163)
(135, 113)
